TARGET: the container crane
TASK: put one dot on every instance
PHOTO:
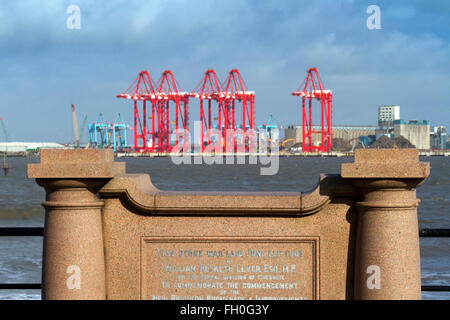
(142, 89)
(235, 90)
(208, 89)
(311, 89)
(168, 90)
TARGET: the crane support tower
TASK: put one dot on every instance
(103, 135)
(142, 89)
(119, 132)
(98, 133)
(161, 95)
(167, 91)
(234, 89)
(210, 90)
(311, 89)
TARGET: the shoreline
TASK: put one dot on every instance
(443, 153)
(298, 154)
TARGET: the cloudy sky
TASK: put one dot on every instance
(45, 66)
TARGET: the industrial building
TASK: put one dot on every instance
(417, 132)
(348, 133)
(387, 115)
(20, 147)
(389, 124)
(438, 138)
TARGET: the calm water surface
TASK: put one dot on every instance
(20, 199)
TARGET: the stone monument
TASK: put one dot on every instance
(112, 235)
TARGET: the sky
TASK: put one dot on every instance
(45, 66)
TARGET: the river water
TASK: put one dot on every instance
(20, 199)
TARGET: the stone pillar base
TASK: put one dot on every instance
(73, 258)
(387, 264)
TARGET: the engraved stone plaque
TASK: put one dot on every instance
(216, 268)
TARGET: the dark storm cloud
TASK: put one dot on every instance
(46, 67)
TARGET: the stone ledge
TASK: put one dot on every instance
(141, 194)
(386, 163)
(79, 164)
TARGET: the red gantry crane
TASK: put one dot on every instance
(142, 89)
(234, 89)
(208, 89)
(313, 88)
(168, 90)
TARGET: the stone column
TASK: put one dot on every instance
(73, 265)
(387, 259)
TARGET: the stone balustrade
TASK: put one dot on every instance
(112, 235)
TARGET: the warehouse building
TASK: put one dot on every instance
(348, 133)
(20, 147)
(417, 132)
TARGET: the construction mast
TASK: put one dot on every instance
(75, 128)
(311, 89)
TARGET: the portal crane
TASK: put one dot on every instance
(208, 89)
(168, 90)
(142, 89)
(234, 89)
(313, 88)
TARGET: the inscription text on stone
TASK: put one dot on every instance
(229, 268)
